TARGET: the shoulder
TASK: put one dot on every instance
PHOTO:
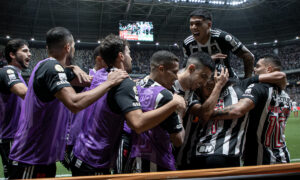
(51, 65)
(7, 70)
(217, 33)
(166, 94)
(189, 40)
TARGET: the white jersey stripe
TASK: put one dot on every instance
(234, 100)
(261, 127)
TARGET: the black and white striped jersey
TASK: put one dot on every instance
(222, 137)
(219, 42)
(189, 123)
(265, 143)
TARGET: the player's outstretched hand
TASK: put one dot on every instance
(218, 56)
(115, 77)
(222, 78)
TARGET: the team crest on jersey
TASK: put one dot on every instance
(203, 148)
(59, 68)
(9, 71)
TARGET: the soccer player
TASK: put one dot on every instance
(268, 108)
(215, 42)
(220, 143)
(77, 120)
(12, 90)
(294, 108)
(152, 150)
(96, 147)
(195, 75)
(40, 138)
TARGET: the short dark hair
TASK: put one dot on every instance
(96, 52)
(13, 46)
(163, 57)
(58, 37)
(273, 59)
(203, 13)
(110, 48)
(201, 59)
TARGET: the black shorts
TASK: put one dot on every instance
(215, 161)
(80, 168)
(66, 162)
(26, 171)
(5, 145)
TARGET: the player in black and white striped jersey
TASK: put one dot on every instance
(268, 108)
(220, 143)
(219, 44)
(195, 75)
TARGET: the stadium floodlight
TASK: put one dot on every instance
(32, 39)
(276, 41)
(99, 41)
(255, 43)
(7, 37)
(78, 41)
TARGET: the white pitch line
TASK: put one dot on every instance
(293, 160)
(63, 175)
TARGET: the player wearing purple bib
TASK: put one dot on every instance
(77, 120)
(12, 90)
(152, 149)
(41, 134)
(96, 147)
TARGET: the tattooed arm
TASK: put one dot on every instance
(205, 110)
(234, 111)
(248, 59)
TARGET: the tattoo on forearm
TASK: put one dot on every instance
(222, 112)
(248, 64)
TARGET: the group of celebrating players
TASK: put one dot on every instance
(202, 116)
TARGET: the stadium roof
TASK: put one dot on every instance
(90, 20)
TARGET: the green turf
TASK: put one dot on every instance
(292, 133)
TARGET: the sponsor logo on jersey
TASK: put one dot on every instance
(62, 76)
(203, 148)
(12, 77)
(59, 68)
(62, 82)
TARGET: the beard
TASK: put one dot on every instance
(70, 59)
(21, 62)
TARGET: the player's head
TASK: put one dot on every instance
(205, 91)
(267, 63)
(115, 50)
(200, 67)
(200, 24)
(59, 41)
(164, 67)
(18, 53)
(99, 63)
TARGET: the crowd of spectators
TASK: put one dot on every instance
(289, 55)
